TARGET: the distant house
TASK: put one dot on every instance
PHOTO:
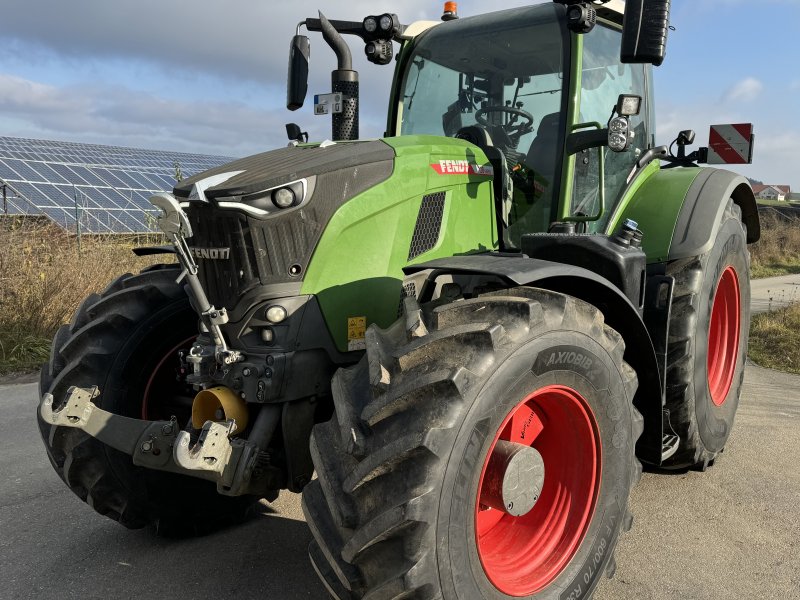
(772, 192)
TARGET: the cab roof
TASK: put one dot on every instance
(612, 10)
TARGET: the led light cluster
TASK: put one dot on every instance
(380, 29)
(386, 23)
(618, 134)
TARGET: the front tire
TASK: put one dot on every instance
(125, 342)
(402, 507)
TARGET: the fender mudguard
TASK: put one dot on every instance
(678, 209)
(619, 313)
(700, 216)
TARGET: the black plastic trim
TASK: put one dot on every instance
(701, 214)
(153, 250)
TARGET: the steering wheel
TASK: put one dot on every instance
(513, 131)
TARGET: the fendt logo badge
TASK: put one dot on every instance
(462, 167)
(211, 253)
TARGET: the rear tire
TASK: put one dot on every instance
(707, 348)
(398, 509)
(124, 341)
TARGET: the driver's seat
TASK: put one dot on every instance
(543, 155)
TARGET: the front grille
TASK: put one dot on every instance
(224, 280)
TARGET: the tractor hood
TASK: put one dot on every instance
(361, 211)
(258, 243)
(268, 170)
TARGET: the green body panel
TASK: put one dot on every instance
(356, 269)
(654, 201)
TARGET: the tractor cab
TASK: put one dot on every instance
(506, 82)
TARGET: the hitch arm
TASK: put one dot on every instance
(148, 442)
(161, 445)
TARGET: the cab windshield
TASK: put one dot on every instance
(498, 81)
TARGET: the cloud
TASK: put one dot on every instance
(234, 39)
(120, 115)
(746, 90)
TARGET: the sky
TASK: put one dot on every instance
(210, 77)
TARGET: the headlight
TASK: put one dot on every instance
(276, 314)
(272, 201)
(619, 134)
(283, 197)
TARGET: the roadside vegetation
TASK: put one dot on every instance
(778, 250)
(775, 339)
(43, 278)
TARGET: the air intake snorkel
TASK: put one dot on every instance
(344, 81)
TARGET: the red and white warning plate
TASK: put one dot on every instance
(730, 144)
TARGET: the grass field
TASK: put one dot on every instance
(778, 250)
(778, 202)
(775, 339)
(43, 278)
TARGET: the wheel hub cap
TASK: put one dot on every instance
(514, 478)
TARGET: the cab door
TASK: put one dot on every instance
(603, 79)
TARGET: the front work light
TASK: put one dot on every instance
(387, 22)
(628, 105)
(370, 24)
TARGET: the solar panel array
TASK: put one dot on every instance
(105, 189)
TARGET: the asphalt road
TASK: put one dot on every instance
(732, 532)
(773, 293)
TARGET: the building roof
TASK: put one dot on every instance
(106, 187)
(758, 188)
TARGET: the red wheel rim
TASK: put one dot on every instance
(723, 336)
(523, 555)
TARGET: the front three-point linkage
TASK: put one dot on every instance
(175, 225)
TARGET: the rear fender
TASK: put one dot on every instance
(678, 209)
(701, 214)
(619, 312)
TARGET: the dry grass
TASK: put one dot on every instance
(778, 250)
(775, 339)
(43, 279)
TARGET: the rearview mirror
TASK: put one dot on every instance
(297, 81)
(644, 31)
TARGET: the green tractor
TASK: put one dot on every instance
(474, 330)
